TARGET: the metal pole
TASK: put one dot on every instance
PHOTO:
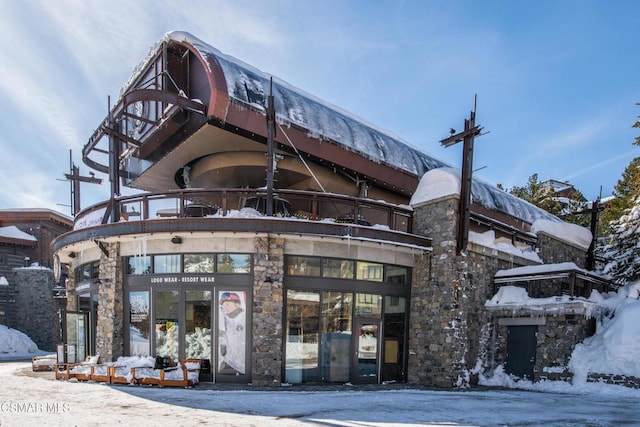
(271, 119)
(114, 173)
(465, 191)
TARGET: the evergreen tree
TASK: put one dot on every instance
(543, 196)
(622, 256)
(637, 125)
(537, 194)
(626, 191)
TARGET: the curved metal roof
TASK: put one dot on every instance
(249, 86)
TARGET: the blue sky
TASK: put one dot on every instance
(557, 80)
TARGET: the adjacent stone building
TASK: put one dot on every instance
(27, 300)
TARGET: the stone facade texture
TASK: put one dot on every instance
(268, 311)
(552, 251)
(451, 331)
(110, 328)
(37, 313)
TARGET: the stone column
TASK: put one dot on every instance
(268, 269)
(110, 330)
(438, 328)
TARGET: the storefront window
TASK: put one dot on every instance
(337, 268)
(232, 334)
(369, 271)
(198, 263)
(303, 266)
(139, 265)
(167, 328)
(166, 264)
(198, 324)
(397, 274)
(368, 305)
(335, 341)
(393, 368)
(139, 323)
(303, 325)
(234, 263)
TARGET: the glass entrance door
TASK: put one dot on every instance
(197, 339)
(366, 357)
(76, 337)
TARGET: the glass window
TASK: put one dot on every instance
(167, 328)
(369, 271)
(303, 266)
(139, 323)
(394, 338)
(368, 305)
(303, 326)
(232, 332)
(198, 325)
(397, 274)
(166, 264)
(139, 265)
(234, 263)
(95, 270)
(338, 268)
(335, 341)
(198, 263)
(86, 272)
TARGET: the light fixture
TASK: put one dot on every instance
(176, 240)
(72, 254)
(59, 292)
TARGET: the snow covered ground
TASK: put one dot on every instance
(36, 399)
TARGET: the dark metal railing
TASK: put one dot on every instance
(231, 202)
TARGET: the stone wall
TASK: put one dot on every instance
(268, 266)
(450, 328)
(553, 251)
(558, 333)
(36, 311)
(109, 335)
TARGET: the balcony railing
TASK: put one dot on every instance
(239, 203)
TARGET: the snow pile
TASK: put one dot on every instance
(435, 184)
(510, 295)
(15, 344)
(615, 347)
(488, 239)
(569, 233)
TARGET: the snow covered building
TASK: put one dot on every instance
(282, 239)
(26, 300)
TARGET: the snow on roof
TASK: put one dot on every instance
(567, 232)
(445, 181)
(323, 120)
(540, 269)
(250, 86)
(13, 232)
(488, 239)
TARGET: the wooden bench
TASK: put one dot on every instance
(186, 374)
(43, 363)
(100, 373)
(80, 371)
